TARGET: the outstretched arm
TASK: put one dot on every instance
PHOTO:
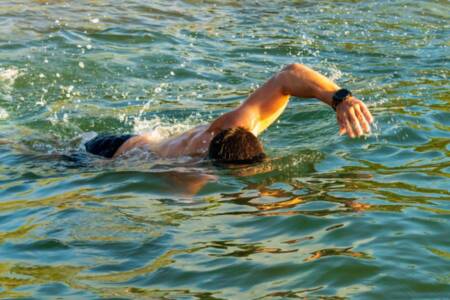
(267, 103)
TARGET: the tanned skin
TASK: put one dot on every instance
(260, 110)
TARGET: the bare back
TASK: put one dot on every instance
(194, 142)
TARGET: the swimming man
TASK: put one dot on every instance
(232, 137)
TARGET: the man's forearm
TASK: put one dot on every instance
(352, 114)
(268, 102)
(300, 81)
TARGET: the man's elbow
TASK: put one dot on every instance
(288, 75)
(294, 67)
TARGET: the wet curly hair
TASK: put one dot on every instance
(236, 146)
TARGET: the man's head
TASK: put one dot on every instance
(236, 146)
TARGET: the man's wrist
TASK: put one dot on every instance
(340, 96)
(325, 96)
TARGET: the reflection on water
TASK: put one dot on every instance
(325, 217)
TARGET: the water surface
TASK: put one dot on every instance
(325, 217)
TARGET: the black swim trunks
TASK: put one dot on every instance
(106, 144)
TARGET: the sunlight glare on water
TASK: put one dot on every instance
(325, 217)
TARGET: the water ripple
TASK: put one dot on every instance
(325, 217)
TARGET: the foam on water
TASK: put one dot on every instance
(7, 78)
(159, 128)
(3, 114)
(9, 75)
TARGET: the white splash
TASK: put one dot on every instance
(9, 75)
(3, 114)
(158, 129)
(335, 73)
(7, 78)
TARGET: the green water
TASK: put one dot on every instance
(326, 217)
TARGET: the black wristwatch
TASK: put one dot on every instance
(340, 96)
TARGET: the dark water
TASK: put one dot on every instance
(326, 217)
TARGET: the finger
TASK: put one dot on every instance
(342, 129)
(348, 127)
(362, 120)
(366, 113)
(341, 125)
(355, 122)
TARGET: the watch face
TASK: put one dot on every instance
(341, 94)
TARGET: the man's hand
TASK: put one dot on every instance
(353, 117)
